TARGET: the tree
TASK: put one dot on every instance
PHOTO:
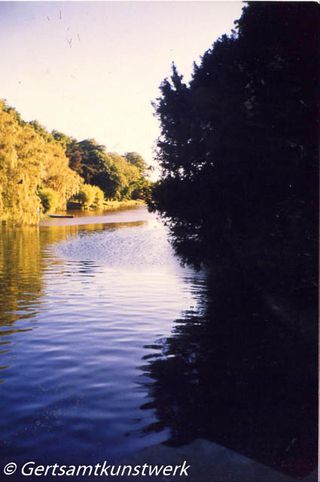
(71, 148)
(21, 156)
(49, 199)
(40, 171)
(238, 147)
(119, 177)
(30, 161)
(136, 160)
(90, 197)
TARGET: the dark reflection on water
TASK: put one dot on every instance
(83, 307)
(241, 373)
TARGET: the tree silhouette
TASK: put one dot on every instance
(238, 146)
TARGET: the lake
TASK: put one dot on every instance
(108, 346)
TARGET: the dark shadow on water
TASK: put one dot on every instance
(241, 371)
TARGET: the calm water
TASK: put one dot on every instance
(82, 305)
(108, 345)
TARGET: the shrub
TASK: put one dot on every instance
(90, 197)
(49, 199)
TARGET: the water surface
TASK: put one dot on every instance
(108, 345)
(82, 304)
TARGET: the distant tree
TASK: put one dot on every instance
(119, 177)
(136, 160)
(40, 129)
(90, 197)
(73, 153)
(57, 174)
(40, 171)
(61, 138)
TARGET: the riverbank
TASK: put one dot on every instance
(116, 205)
(116, 213)
(109, 205)
(77, 211)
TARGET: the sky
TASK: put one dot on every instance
(91, 69)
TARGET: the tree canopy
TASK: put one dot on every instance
(238, 149)
(41, 171)
(119, 177)
(30, 158)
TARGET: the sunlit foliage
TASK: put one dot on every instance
(119, 177)
(136, 160)
(90, 197)
(22, 156)
(40, 171)
(49, 199)
(31, 161)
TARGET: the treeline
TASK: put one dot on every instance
(119, 177)
(43, 171)
(239, 145)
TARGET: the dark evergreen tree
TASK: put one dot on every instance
(239, 149)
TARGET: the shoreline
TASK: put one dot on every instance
(108, 206)
(131, 213)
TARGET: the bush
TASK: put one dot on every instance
(49, 199)
(90, 197)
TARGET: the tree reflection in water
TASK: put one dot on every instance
(23, 260)
(240, 373)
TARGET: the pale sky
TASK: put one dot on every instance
(91, 69)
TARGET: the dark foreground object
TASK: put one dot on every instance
(210, 462)
(241, 371)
